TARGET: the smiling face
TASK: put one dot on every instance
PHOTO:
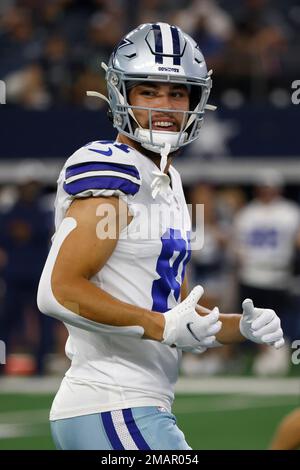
(160, 95)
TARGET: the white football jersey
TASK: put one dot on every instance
(146, 269)
(265, 240)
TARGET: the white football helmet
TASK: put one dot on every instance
(162, 53)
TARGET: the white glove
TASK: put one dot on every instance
(261, 325)
(186, 329)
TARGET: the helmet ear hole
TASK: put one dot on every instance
(195, 96)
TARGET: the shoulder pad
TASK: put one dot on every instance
(102, 168)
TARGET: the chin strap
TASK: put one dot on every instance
(161, 181)
(98, 95)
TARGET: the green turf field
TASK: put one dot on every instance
(209, 421)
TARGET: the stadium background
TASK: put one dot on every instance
(50, 54)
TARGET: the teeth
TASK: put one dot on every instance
(163, 123)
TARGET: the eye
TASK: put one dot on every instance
(148, 93)
(178, 94)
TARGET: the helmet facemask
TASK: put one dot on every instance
(125, 121)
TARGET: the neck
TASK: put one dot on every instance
(155, 157)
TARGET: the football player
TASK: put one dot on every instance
(116, 272)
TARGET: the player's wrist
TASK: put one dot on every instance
(154, 326)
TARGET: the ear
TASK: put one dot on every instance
(129, 94)
(130, 87)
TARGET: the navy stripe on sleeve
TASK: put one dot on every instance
(101, 182)
(81, 168)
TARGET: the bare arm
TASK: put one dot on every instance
(81, 256)
(287, 436)
(184, 292)
(230, 331)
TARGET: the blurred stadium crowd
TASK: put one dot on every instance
(50, 54)
(51, 50)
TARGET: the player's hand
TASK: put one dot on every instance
(188, 330)
(261, 325)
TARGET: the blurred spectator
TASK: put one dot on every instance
(232, 200)
(8, 196)
(26, 87)
(104, 31)
(88, 80)
(266, 236)
(209, 267)
(211, 44)
(255, 52)
(218, 21)
(24, 237)
(209, 263)
(20, 40)
(210, 26)
(56, 64)
(151, 11)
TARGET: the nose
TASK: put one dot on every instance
(165, 101)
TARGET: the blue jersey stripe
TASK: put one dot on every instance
(101, 182)
(176, 45)
(111, 432)
(80, 168)
(158, 44)
(134, 430)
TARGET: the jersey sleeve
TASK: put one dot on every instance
(101, 169)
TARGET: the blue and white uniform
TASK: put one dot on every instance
(265, 242)
(111, 373)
